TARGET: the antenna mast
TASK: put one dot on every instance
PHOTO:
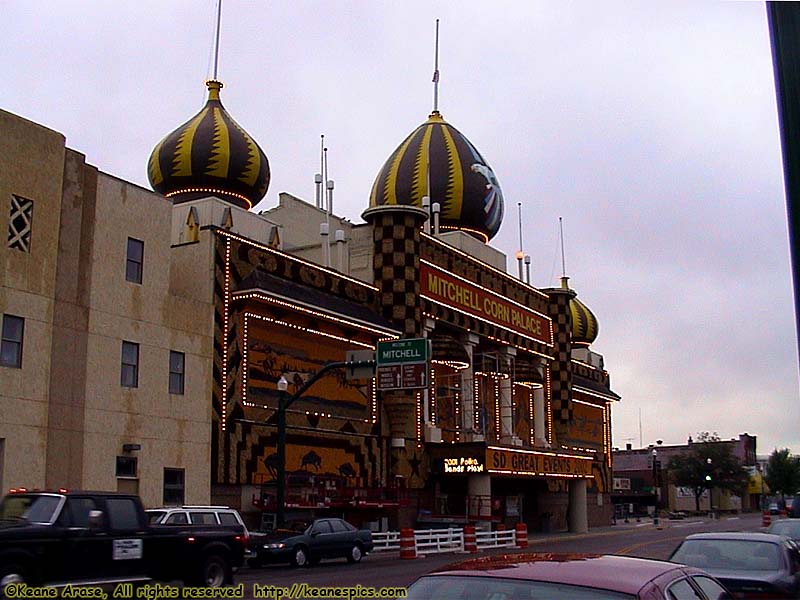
(216, 38)
(436, 72)
(563, 261)
(519, 210)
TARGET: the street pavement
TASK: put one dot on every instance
(641, 538)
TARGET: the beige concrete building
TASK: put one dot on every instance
(106, 372)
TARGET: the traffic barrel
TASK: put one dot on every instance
(408, 543)
(470, 540)
(521, 535)
(783, 514)
(766, 519)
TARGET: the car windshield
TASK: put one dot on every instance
(453, 587)
(155, 516)
(788, 528)
(736, 555)
(36, 508)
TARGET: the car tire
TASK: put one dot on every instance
(313, 561)
(299, 557)
(12, 573)
(254, 563)
(356, 554)
(216, 572)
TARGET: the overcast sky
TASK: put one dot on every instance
(650, 128)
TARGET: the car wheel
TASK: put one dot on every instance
(11, 574)
(216, 572)
(356, 554)
(254, 563)
(299, 557)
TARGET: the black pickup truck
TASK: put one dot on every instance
(74, 537)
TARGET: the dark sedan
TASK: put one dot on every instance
(566, 577)
(788, 527)
(760, 565)
(324, 538)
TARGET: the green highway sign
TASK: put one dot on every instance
(396, 352)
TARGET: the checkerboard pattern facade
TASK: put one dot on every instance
(396, 265)
(561, 367)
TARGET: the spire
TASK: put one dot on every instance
(564, 278)
(216, 38)
(436, 73)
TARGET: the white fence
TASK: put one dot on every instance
(386, 541)
(436, 541)
(495, 539)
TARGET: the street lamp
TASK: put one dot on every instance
(283, 385)
(710, 481)
(656, 488)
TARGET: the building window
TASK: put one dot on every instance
(129, 374)
(134, 261)
(126, 466)
(19, 224)
(174, 487)
(11, 342)
(177, 361)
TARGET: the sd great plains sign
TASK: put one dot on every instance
(542, 464)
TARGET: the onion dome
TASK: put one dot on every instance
(210, 155)
(461, 181)
(584, 324)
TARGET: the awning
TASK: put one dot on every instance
(308, 297)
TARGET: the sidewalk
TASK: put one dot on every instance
(537, 537)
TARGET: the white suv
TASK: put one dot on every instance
(195, 515)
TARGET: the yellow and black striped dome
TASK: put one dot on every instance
(210, 155)
(461, 181)
(584, 324)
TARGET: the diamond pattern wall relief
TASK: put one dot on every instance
(19, 223)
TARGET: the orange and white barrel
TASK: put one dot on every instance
(470, 540)
(766, 519)
(521, 535)
(408, 543)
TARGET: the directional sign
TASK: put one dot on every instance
(402, 376)
(403, 364)
(411, 350)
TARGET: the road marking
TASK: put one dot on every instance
(632, 547)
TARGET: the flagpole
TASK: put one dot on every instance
(436, 72)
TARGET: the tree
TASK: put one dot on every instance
(709, 463)
(783, 473)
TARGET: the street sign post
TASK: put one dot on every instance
(355, 368)
(403, 364)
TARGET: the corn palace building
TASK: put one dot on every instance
(145, 336)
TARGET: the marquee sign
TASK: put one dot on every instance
(463, 465)
(533, 463)
(452, 291)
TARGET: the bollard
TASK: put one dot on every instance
(408, 543)
(766, 519)
(470, 540)
(521, 535)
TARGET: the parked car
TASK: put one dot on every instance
(196, 515)
(306, 544)
(788, 527)
(747, 563)
(79, 537)
(566, 577)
